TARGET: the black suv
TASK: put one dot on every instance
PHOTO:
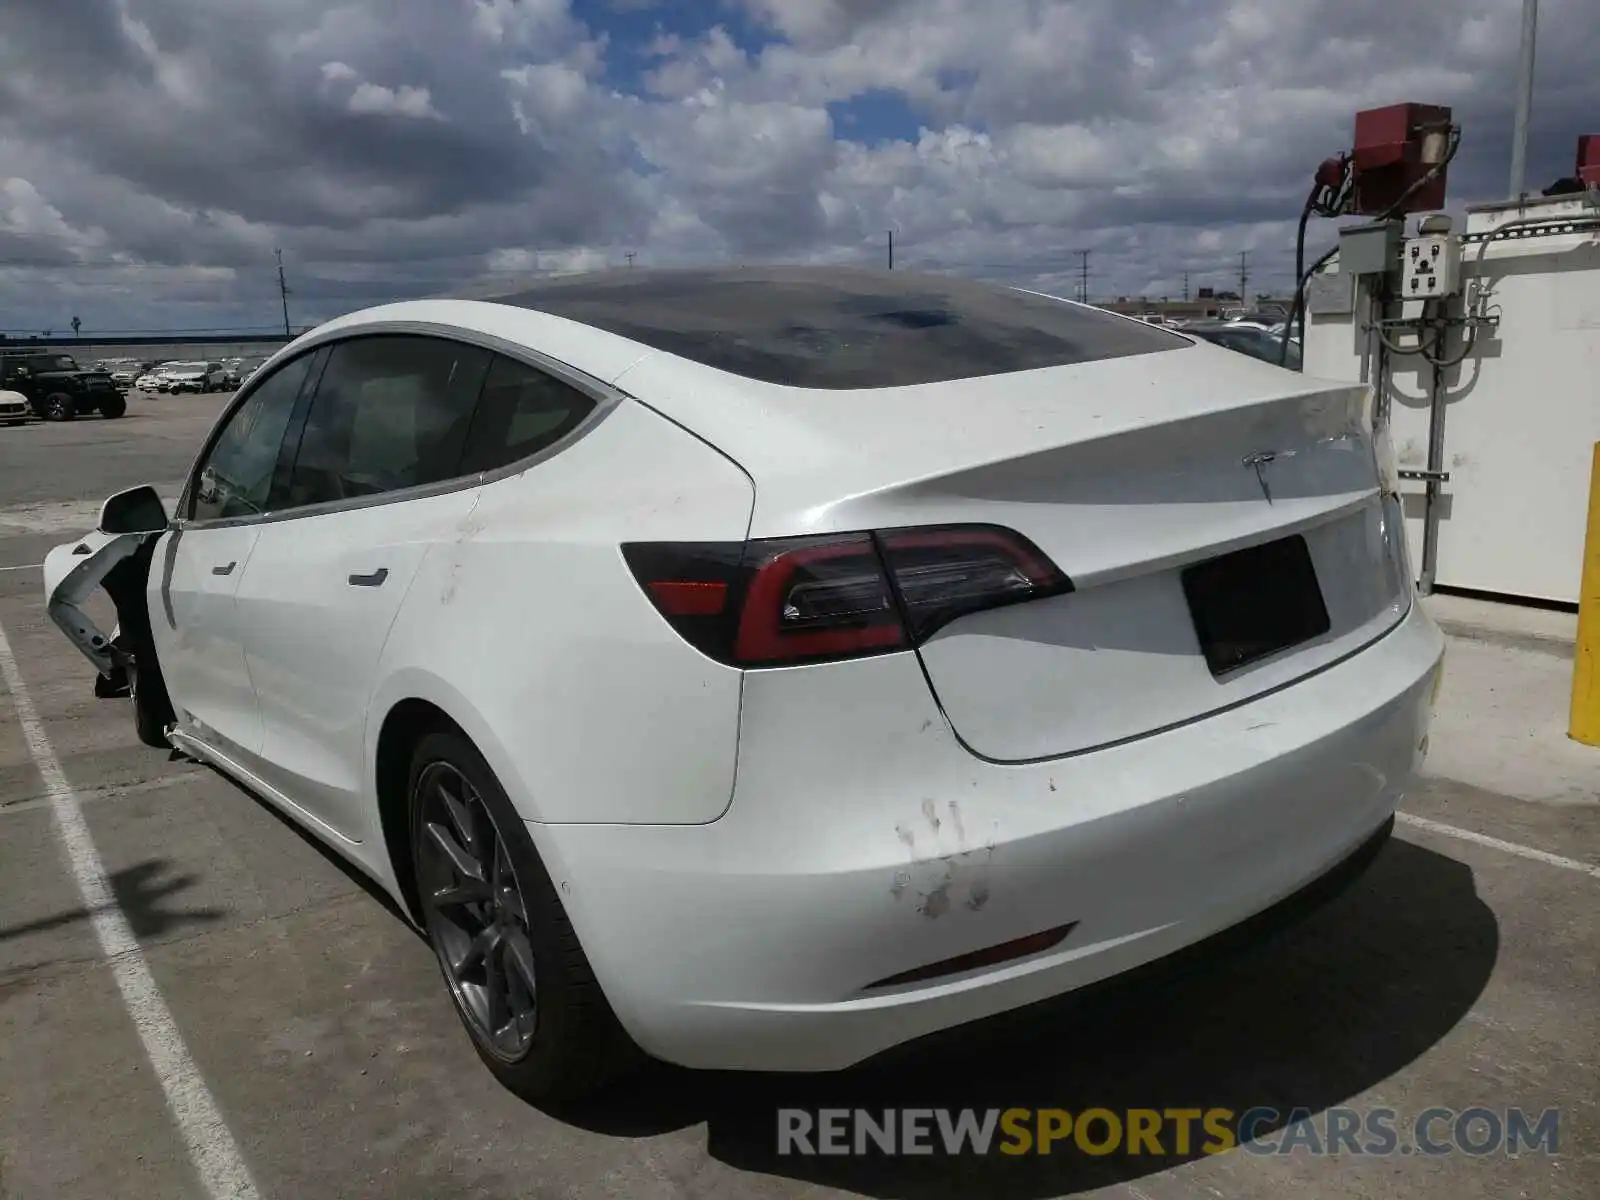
(57, 389)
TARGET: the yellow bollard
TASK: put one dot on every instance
(1585, 723)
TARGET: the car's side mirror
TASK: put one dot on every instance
(137, 510)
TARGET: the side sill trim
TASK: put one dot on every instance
(191, 745)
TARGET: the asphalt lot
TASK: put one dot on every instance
(1453, 974)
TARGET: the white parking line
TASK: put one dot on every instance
(1483, 839)
(25, 567)
(212, 1148)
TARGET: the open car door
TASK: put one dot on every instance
(115, 556)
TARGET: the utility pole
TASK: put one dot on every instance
(283, 293)
(1186, 287)
(1083, 275)
(1519, 134)
(1244, 277)
(891, 249)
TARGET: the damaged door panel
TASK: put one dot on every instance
(126, 658)
(71, 575)
(117, 557)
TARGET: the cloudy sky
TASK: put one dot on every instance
(154, 153)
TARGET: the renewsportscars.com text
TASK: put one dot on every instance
(1169, 1132)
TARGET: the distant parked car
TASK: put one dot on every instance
(1246, 339)
(13, 407)
(194, 377)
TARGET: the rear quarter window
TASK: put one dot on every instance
(521, 411)
(837, 328)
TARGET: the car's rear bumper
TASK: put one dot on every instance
(863, 842)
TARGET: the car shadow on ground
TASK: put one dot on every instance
(1301, 1016)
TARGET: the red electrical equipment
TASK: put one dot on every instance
(1394, 148)
(1589, 159)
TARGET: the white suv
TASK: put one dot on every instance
(194, 377)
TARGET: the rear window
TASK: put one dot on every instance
(842, 328)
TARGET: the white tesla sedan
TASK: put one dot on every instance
(763, 668)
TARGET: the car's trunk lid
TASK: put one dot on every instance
(1125, 473)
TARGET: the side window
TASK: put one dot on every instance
(236, 477)
(390, 412)
(522, 410)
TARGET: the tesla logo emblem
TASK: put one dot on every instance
(1256, 462)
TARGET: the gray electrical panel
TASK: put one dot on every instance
(1330, 295)
(1370, 249)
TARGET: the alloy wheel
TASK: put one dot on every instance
(475, 910)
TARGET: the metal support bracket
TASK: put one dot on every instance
(1427, 476)
(1469, 322)
(1555, 227)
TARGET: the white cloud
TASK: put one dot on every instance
(373, 99)
(1163, 135)
(518, 21)
(25, 212)
(519, 260)
(404, 101)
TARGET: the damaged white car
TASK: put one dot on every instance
(763, 668)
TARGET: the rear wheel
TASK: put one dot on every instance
(519, 979)
(58, 406)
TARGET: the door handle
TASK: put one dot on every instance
(227, 570)
(374, 580)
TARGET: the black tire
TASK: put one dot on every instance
(58, 406)
(113, 407)
(577, 1046)
(152, 707)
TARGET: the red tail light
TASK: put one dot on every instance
(777, 601)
